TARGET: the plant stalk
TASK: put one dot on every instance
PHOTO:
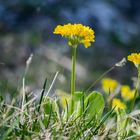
(73, 76)
(136, 90)
(135, 95)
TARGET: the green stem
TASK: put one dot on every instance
(138, 82)
(135, 95)
(136, 90)
(97, 80)
(73, 75)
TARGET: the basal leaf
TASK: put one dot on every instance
(94, 104)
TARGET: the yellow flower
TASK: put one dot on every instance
(118, 104)
(109, 85)
(63, 97)
(135, 58)
(127, 93)
(76, 33)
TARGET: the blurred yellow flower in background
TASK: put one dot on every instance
(127, 93)
(135, 58)
(109, 85)
(118, 104)
(63, 97)
(76, 33)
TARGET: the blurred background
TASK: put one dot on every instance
(26, 27)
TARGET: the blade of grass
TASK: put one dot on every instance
(42, 94)
(66, 110)
(97, 80)
(10, 130)
(28, 62)
(91, 132)
(40, 101)
(51, 84)
(103, 120)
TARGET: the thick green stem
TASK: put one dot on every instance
(73, 76)
(136, 90)
(138, 82)
(135, 95)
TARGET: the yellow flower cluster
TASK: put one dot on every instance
(127, 93)
(76, 33)
(109, 85)
(118, 104)
(135, 58)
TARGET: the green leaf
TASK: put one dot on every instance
(78, 106)
(94, 104)
(50, 105)
(79, 98)
(122, 122)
